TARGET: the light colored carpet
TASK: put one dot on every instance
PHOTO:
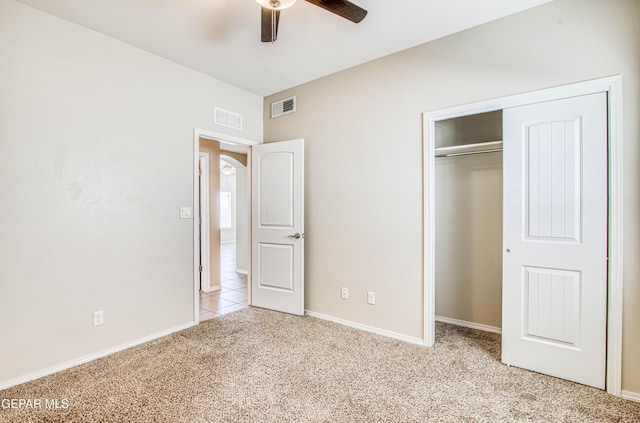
(260, 366)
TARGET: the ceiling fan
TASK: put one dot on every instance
(271, 13)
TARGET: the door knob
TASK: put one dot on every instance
(296, 236)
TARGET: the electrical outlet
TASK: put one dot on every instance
(345, 293)
(371, 297)
(98, 318)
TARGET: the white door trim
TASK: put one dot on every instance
(611, 85)
(226, 139)
(204, 217)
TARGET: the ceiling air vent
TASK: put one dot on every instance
(283, 107)
(226, 118)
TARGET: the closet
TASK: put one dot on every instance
(526, 241)
(468, 220)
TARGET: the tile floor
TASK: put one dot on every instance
(233, 293)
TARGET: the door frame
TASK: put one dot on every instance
(203, 221)
(613, 87)
(224, 139)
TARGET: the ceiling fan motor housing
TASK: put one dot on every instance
(271, 13)
(276, 4)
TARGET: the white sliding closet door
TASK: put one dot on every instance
(555, 238)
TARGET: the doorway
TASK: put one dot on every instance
(611, 86)
(227, 290)
(224, 221)
(233, 221)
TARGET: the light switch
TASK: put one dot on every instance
(185, 212)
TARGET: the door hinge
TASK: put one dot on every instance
(200, 268)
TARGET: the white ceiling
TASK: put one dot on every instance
(221, 38)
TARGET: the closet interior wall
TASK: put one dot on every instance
(469, 221)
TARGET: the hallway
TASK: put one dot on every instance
(232, 295)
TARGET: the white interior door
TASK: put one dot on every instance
(277, 237)
(555, 238)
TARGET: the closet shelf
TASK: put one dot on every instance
(467, 149)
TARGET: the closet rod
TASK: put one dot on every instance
(467, 149)
(469, 153)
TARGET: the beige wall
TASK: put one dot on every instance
(96, 158)
(242, 158)
(364, 230)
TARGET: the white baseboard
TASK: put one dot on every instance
(243, 271)
(470, 325)
(211, 289)
(631, 396)
(72, 363)
(366, 328)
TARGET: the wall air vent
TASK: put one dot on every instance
(226, 118)
(283, 107)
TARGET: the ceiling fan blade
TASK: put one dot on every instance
(343, 8)
(270, 20)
